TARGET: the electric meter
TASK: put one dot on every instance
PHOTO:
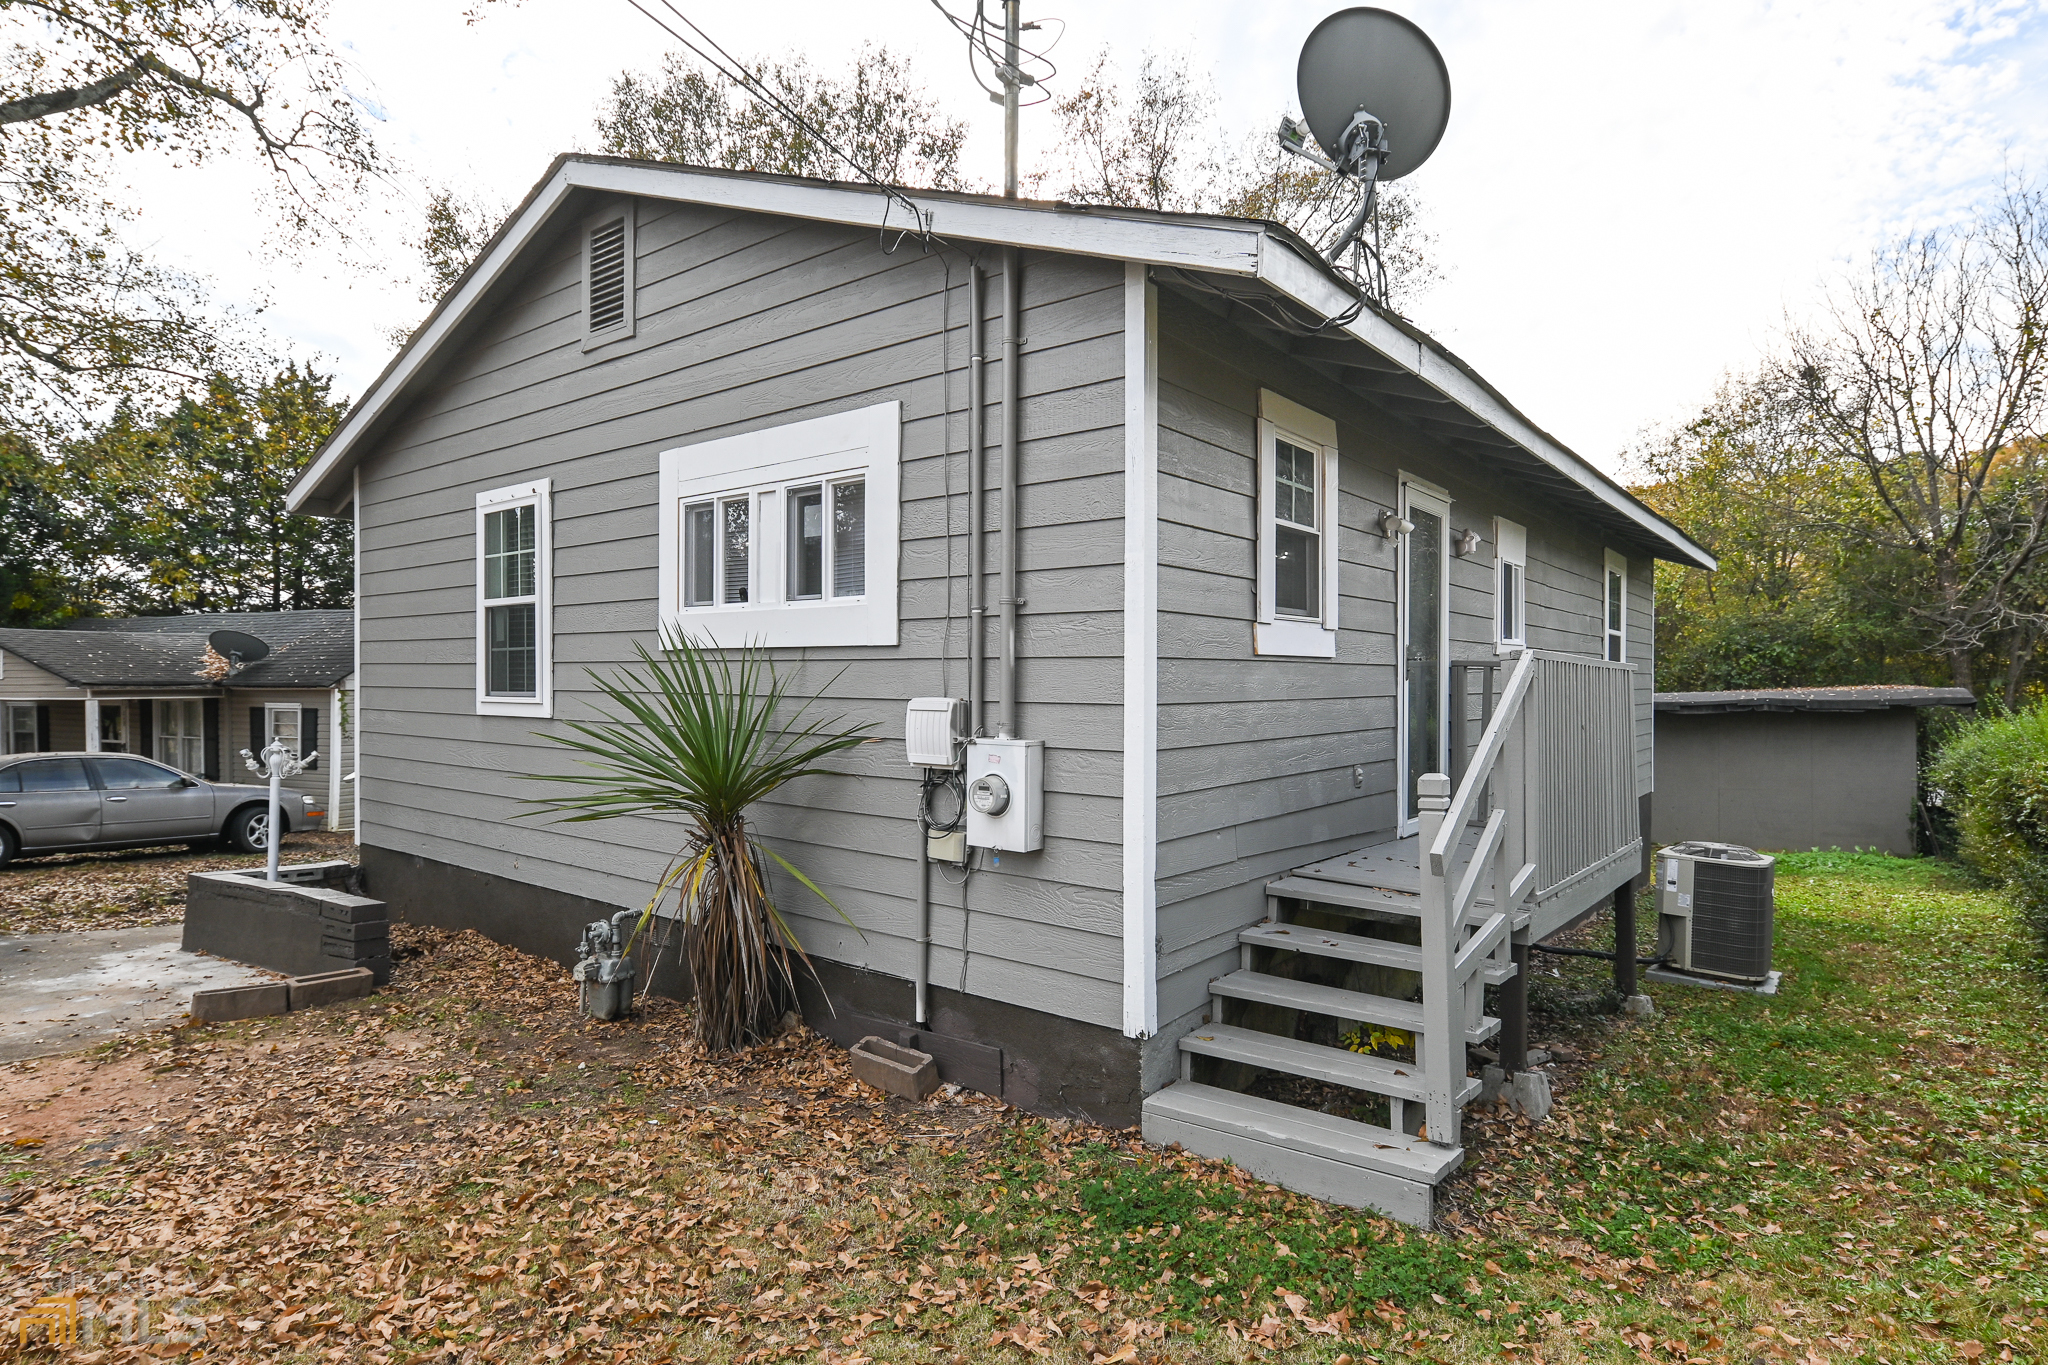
(1006, 794)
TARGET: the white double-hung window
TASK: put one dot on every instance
(785, 536)
(1297, 582)
(1510, 587)
(513, 628)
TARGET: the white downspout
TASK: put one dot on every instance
(92, 725)
(356, 510)
(334, 764)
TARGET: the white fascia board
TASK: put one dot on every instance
(1224, 247)
(1284, 270)
(428, 343)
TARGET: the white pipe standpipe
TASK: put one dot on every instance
(277, 764)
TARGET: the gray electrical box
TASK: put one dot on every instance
(1715, 909)
(1006, 794)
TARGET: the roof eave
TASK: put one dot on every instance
(1240, 247)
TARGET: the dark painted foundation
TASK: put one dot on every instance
(1047, 1064)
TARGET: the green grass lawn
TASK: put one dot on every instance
(1853, 1170)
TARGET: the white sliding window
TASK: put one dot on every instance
(1510, 585)
(1297, 553)
(514, 570)
(786, 536)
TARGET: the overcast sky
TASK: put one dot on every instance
(1629, 199)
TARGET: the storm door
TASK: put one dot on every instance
(1424, 680)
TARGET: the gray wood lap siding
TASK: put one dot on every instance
(1256, 754)
(746, 322)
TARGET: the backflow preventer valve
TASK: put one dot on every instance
(604, 973)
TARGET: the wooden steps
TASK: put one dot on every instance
(1335, 1001)
(1295, 938)
(1321, 1155)
(1331, 1065)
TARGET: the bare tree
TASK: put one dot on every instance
(81, 80)
(878, 114)
(1929, 378)
(1156, 142)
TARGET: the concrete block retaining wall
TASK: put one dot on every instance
(304, 924)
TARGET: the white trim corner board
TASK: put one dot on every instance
(1141, 653)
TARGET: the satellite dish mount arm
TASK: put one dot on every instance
(1361, 152)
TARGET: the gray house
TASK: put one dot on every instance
(1276, 568)
(140, 685)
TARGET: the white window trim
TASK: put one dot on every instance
(592, 340)
(866, 441)
(1412, 488)
(542, 703)
(270, 713)
(1613, 563)
(1511, 546)
(1274, 635)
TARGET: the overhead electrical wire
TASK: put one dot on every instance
(735, 71)
(986, 39)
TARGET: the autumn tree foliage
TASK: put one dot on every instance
(83, 315)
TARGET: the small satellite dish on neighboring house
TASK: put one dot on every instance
(238, 649)
(1375, 100)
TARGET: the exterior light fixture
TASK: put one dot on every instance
(1466, 543)
(1393, 524)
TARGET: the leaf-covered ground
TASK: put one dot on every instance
(459, 1169)
(128, 888)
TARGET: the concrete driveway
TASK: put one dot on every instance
(64, 992)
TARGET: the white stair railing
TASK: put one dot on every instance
(1453, 948)
(1558, 761)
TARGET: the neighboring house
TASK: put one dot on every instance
(1794, 767)
(139, 685)
(1258, 524)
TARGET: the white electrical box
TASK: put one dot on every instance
(1006, 794)
(933, 732)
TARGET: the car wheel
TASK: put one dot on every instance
(9, 846)
(248, 829)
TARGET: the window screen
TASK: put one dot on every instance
(806, 543)
(849, 538)
(1297, 567)
(510, 573)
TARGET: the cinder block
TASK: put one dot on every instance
(898, 1070)
(241, 1002)
(366, 932)
(339, 905)
(324, 988)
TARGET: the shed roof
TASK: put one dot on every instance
(1873, 698)
(1258, 273)
(307, 649)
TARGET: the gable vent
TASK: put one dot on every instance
(608, 276)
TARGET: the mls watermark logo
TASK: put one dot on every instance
(109, 1316)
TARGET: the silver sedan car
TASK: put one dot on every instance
(54, 802)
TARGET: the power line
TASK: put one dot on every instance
(736, 72)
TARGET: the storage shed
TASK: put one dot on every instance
(1795, 767)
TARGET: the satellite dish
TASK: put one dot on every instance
(1374, 62)
(237, 648)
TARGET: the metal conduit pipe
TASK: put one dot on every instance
(977, 499)
(1006, 723)
(924, 921)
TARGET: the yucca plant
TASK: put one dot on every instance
(703, 733)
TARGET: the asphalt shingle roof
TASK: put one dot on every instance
(307, 649)
(1879, 697)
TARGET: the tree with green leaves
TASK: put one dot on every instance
(83, 82)
(184, 512)
(34, 590)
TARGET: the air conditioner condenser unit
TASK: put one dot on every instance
(1715, 912)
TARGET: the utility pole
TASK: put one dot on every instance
(1013, 79)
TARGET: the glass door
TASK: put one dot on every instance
(1423, 625)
